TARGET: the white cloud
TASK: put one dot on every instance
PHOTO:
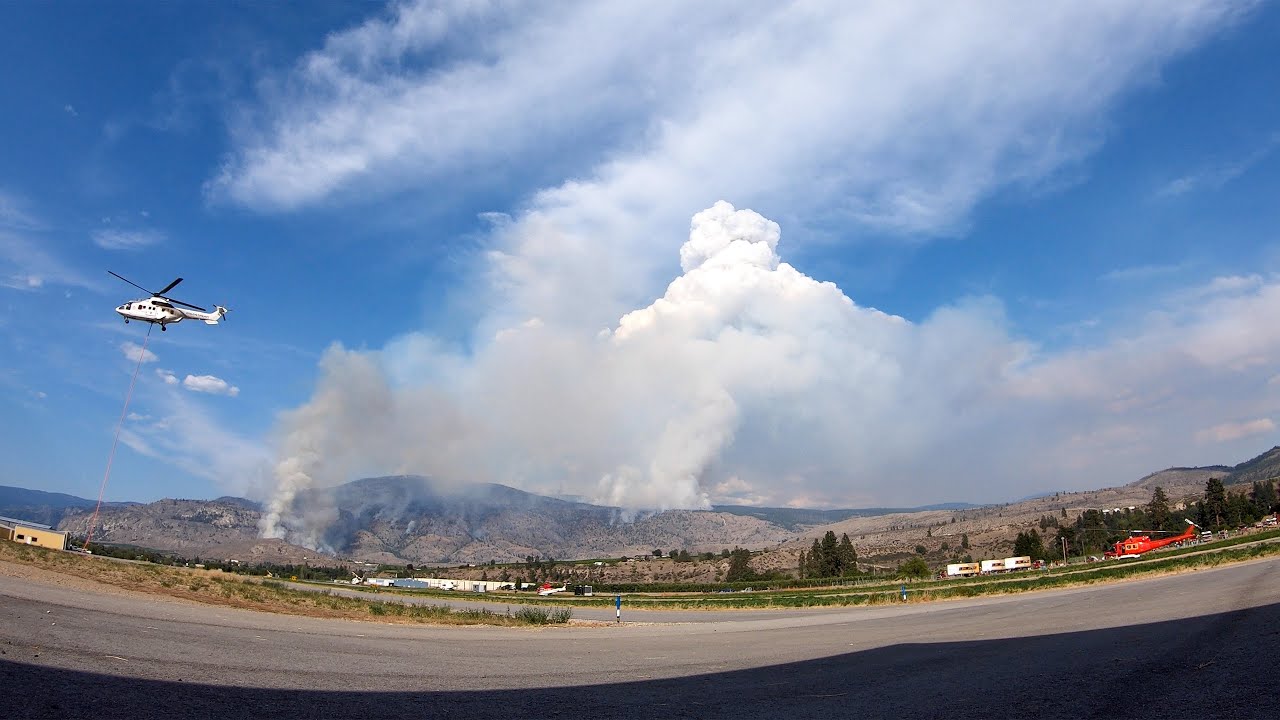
(1236, 430)
(136, 353)
(180, 432)
(1144, 272)
(1230, 285)
(110, 239)
(28, 265)
(23, 281)
(14, 215)
(25, 262)
(168, 377)
(210, 384)
(899, 115)
(1215, 177)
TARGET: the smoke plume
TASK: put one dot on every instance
(641, 415)
(749, 382)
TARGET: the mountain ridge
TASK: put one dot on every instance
(40, 506)
(409, 518)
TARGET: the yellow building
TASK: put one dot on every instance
(30, 533)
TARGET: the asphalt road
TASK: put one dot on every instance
(1197, 645)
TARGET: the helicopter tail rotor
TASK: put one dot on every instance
(219, 313)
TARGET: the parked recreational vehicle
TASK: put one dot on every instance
(990, 566)
(963, 569)
(1017, 563)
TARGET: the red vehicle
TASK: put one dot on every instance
(1134, 546)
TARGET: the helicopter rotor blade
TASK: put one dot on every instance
(161, 294)
(186, 304)
(134, 283)
(169, 287)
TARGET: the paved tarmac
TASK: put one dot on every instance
(1196, 645)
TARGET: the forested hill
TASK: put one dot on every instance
(1264, 467)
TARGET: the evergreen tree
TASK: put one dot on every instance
(1158, 510)
(848, 556)
(964, 541)
(1240, 510)
(1030, 544)
(1214, 508)
(740, 566)
(830, 555)
(815, 560)
(804, 564)
(1263, 496)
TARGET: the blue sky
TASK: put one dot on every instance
(1021, 248)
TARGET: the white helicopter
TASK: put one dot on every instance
(161, 310)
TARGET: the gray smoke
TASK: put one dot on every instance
(750, 382)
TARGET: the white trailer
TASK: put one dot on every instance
(990, 566)
(963, 569)
(1017, 563)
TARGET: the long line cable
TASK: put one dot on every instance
(142, 353)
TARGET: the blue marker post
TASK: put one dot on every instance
(617, 603)
(904, 592)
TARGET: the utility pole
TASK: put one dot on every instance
(1064, 551)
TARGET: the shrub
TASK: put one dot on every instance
(543, 615)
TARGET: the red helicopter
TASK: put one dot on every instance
(1134, 546)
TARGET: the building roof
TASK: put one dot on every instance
(10, 522)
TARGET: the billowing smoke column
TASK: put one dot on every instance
(746, 381)
(324, 441)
